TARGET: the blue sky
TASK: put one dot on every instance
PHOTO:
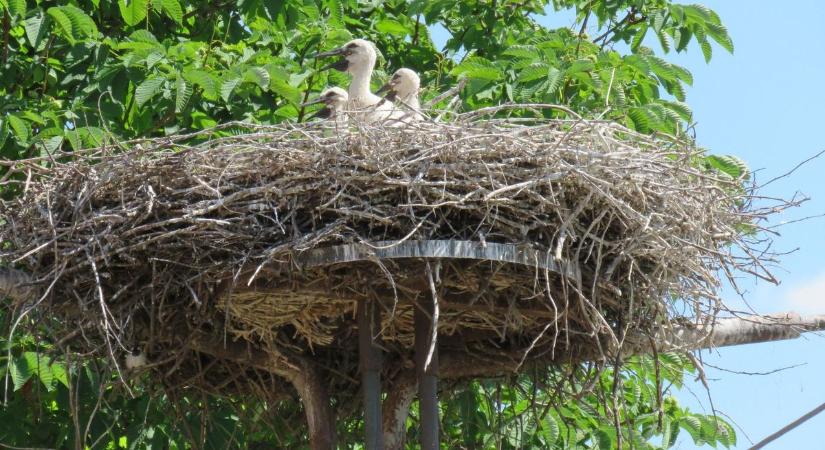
(764, 104)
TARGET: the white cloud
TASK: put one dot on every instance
(808, 296)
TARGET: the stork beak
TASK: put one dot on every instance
(340, 66)
(312, 102)
(390, 93)
(323, 113)
(388, 88)
(335, 52)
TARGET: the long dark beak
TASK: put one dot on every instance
(335, 52)
(340, 66)
(388, 88)
(390, 93)
(323, 113)
(384, 88)
(312, 102)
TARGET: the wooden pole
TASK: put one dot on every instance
(427, 377)
(369, 354)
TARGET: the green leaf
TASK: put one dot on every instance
(661, 68)
(605, 437)
(682, 109)
(640, 120)
(682, 74)
(144, 36)
(202, 121)
(285, 90)
(698, 13)
(550, 430)
(52, 144)
(17, 8)
(683, 39)
(172, 9)
(36, 29)
(532, 72)
(664, 40)
(64, 24)
(20, 129)
(205, 80)
(580, 65)
(729, 165)
(4, 132)
(183, 91)
(91, 136)
(72, 22)
(82, 24)
(134, 11)
(720, 34)
(638, 38)
(707, 50)
(20, 372)
(59, 374)
(154, 58)
(146, 90)
(478, 68)
(522, 52)
(257, 75)
(693, 426)
(391, 27)
(44, 372)
(554, 79)
(228, 86)
(336, 12)
(74, 139)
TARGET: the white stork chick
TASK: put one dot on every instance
(335, 103)
(135, 360)
(403, 88)
(359, 61)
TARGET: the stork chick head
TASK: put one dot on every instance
(404, 84)
(334, 100)
(359, 54)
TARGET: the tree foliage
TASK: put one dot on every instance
(82, 73)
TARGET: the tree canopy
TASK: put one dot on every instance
(82, 73)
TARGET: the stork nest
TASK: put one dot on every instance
(183, 246)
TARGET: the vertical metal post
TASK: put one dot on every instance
(369, 355)
(427, 379)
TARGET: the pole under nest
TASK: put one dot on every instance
(427, 375)
(369, 322)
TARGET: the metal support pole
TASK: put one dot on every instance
(369, 322)
(427, 379)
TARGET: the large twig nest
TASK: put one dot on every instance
(151, 246)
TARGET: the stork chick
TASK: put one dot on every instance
(135, 360)
(359, 61)
(335, 103)
(403, 88)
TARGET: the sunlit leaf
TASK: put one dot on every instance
(146, 90)
(393, 27)
(183, 91)
(36, 29)
(20, 128)
(17, 8)
(133, 11)
(228, 86)
(172, 9)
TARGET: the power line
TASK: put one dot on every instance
(789, 427)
